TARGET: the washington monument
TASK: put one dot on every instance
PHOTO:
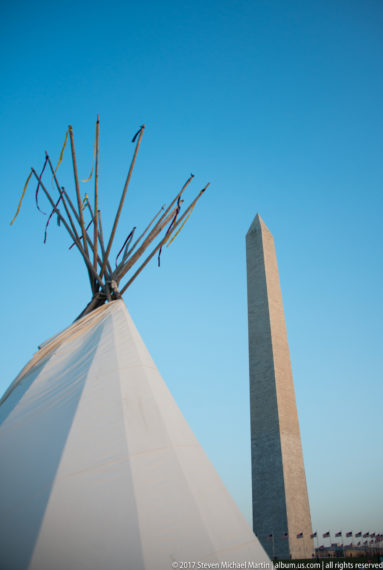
(281, 512)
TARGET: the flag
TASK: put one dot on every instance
(366, 534)
(359, 533)
(358, 544)
(313, 535)
(371, 541)
(326, 534)
(365, 542)
(349, 533)
(269, 537)
(285, 535)
(372, 535)
(300, 535)
(338, 533)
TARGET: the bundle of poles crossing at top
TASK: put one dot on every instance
(105, 280)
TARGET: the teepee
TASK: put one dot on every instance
(99, 469)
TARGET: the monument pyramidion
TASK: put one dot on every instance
(99, 469)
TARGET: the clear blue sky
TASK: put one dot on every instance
(279, 105)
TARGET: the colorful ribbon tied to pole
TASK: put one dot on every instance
(62, 151)
(38, 187)
(94, 156)
(21, 199)
(182, 225)
(49, 219)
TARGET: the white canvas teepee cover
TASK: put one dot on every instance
(99, 469)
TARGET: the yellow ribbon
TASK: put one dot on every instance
(84, 200)
(182, 225)
(94, 156)
(21, 199)
(62, 151)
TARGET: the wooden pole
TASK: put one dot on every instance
(152, 236)
(73, 237)
(141, 236)
(122, 201)
(97, 301)
(79, 202)
(142, 266)
(78, 219)
(76, 215)
(54, 205)
(123, 270)
(73, 208)
(179, 221)
(100, 261)
(63, 197)
(101, 236)
(77, 185)
(162, 242)
(124, 251)
(177, 197)
(95, 219)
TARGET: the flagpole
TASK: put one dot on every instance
(352, 538)
(339, 534)
(304, 547)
